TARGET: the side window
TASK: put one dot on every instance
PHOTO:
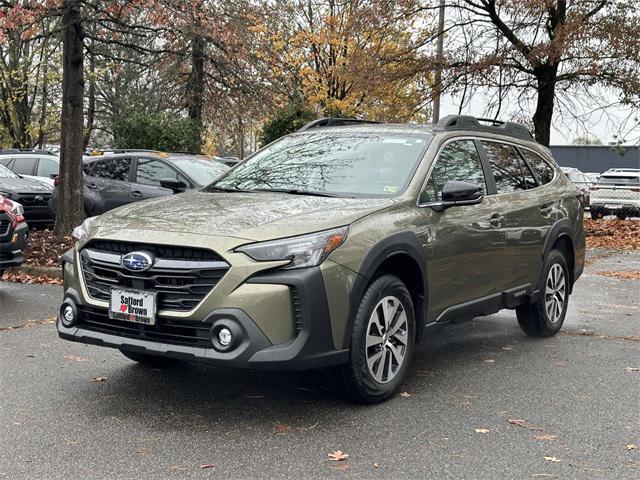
(46, 167)
(506, 166)
(24, 165)
(87, 167)
(113, 169)
(458, 161)
(542, 169)
(150, 171)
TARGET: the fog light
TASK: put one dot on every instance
(224, 337)
(68, 314)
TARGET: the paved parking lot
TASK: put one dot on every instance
(482, 401)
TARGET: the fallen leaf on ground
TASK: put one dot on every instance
(632, 369)
(75, 358)
(337, 456)
(405, 394)
(552, 459)
(375, 465)
(507, 348)
(482, 430)
(207, 465)
(490, 360)
(523, 423)
(545, 436)
(631, 446)
(620, 234)
(621, 274)
(282, 428)
(99, 379)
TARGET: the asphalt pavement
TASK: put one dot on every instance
(482, 401)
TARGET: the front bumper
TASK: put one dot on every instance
(311, 347)
(11, 246)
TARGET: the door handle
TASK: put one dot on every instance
(92, 186)
(136, 193)
(496, 220)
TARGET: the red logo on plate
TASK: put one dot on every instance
(123, 308)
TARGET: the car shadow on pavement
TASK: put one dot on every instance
(197, 395)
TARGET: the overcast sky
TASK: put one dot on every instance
(602, 124)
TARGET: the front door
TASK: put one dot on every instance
(462, 241)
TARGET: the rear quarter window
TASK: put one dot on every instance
(541, 167)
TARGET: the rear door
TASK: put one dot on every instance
(24, 165)
(47, 167)
(149, 172)
(462, 242)
(110, 179)
(529, 209)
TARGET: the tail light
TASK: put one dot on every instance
(57, 180)
(14, 211)
(635, 189)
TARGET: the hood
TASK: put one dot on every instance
(251, 216)
(23, 185)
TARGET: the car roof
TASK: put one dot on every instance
(171, 157)
(619, 173)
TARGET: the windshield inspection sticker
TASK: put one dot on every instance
(390, 189)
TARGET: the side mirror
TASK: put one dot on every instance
(53, 175)
(177, 186)
(458, 193)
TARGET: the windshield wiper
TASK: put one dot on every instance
(295, 191)
(224, 189)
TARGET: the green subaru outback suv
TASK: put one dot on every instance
(338, 247)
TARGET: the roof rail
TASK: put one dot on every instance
(24, 151)
(334, 122)
(467, 122)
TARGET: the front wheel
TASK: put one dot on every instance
(382, 342)
(545, 317)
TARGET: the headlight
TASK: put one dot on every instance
(303, 251)
(17, 209)
(82, 231)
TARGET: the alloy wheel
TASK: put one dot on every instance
(387, 336)
(555, 293)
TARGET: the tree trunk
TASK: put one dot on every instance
(91, 107)
(195, 83)
(70, 201)
(544, 108)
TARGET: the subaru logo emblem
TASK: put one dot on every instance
(39, 198)
(137, 261)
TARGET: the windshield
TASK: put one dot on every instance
(619, 180)
(201, 171)
(342, 164)
(6, 173)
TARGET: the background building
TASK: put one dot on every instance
(596, 158)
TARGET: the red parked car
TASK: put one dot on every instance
(13, 234)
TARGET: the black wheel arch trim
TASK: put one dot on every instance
(400, 243)
(562, 228)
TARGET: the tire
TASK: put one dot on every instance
(365, 378)
(153, 361)
(621, 216)
(595, 216)
(542, 319)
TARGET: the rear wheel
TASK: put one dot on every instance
(382, 342)
(545, 317)
(150, 360)
(621, 216)
(595, 215)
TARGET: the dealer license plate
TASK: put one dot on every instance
(133, 306)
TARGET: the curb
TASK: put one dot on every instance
(53, 272)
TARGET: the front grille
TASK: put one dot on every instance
(180, 332)
(33, 199)
(5, 224)
(181, 276)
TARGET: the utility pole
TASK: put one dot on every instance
(440, 60)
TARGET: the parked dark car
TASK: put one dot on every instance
(13, 234)
(32, 194)
(118, 179)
